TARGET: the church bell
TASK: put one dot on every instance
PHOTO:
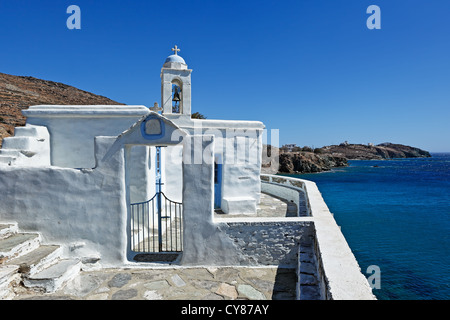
(176, 95)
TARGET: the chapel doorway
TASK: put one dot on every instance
(156, 225)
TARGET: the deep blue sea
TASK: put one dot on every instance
(395, 214)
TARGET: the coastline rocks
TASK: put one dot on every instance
(326, 158)
(309, 162)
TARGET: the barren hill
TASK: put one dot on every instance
(18, 93)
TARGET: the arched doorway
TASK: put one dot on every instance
(154, 208)
(156, 225)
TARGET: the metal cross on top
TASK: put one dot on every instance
(176, 50)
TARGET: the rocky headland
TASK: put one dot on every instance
(385, 150)
(307, 160)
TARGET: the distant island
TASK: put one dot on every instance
(293, 159)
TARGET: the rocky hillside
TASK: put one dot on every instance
(18, 93)
(372, 152)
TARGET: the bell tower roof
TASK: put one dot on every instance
(174, 58)
(175, 61)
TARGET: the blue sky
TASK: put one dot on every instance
(310, 68)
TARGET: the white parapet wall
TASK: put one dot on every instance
(290, 190)
(339, 272)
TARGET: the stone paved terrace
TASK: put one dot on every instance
(176, 283)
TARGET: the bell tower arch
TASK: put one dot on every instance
(175, 86)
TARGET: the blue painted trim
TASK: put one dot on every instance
(218, 186)
(153, 136)
(158, 197)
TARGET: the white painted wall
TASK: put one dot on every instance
(203, 242)
(73, 129)
(289, 193)
(69, 206)
(239, 145)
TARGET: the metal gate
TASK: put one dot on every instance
(157, 224)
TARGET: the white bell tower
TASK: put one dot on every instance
(175, 87)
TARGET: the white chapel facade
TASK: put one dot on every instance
(77, 164)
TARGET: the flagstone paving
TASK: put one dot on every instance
(212, 283)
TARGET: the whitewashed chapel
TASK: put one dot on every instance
(95, 172)
(115, 186)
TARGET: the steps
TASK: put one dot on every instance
(18, 244)
(53, 277)
(29, 146)
(24, 261)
